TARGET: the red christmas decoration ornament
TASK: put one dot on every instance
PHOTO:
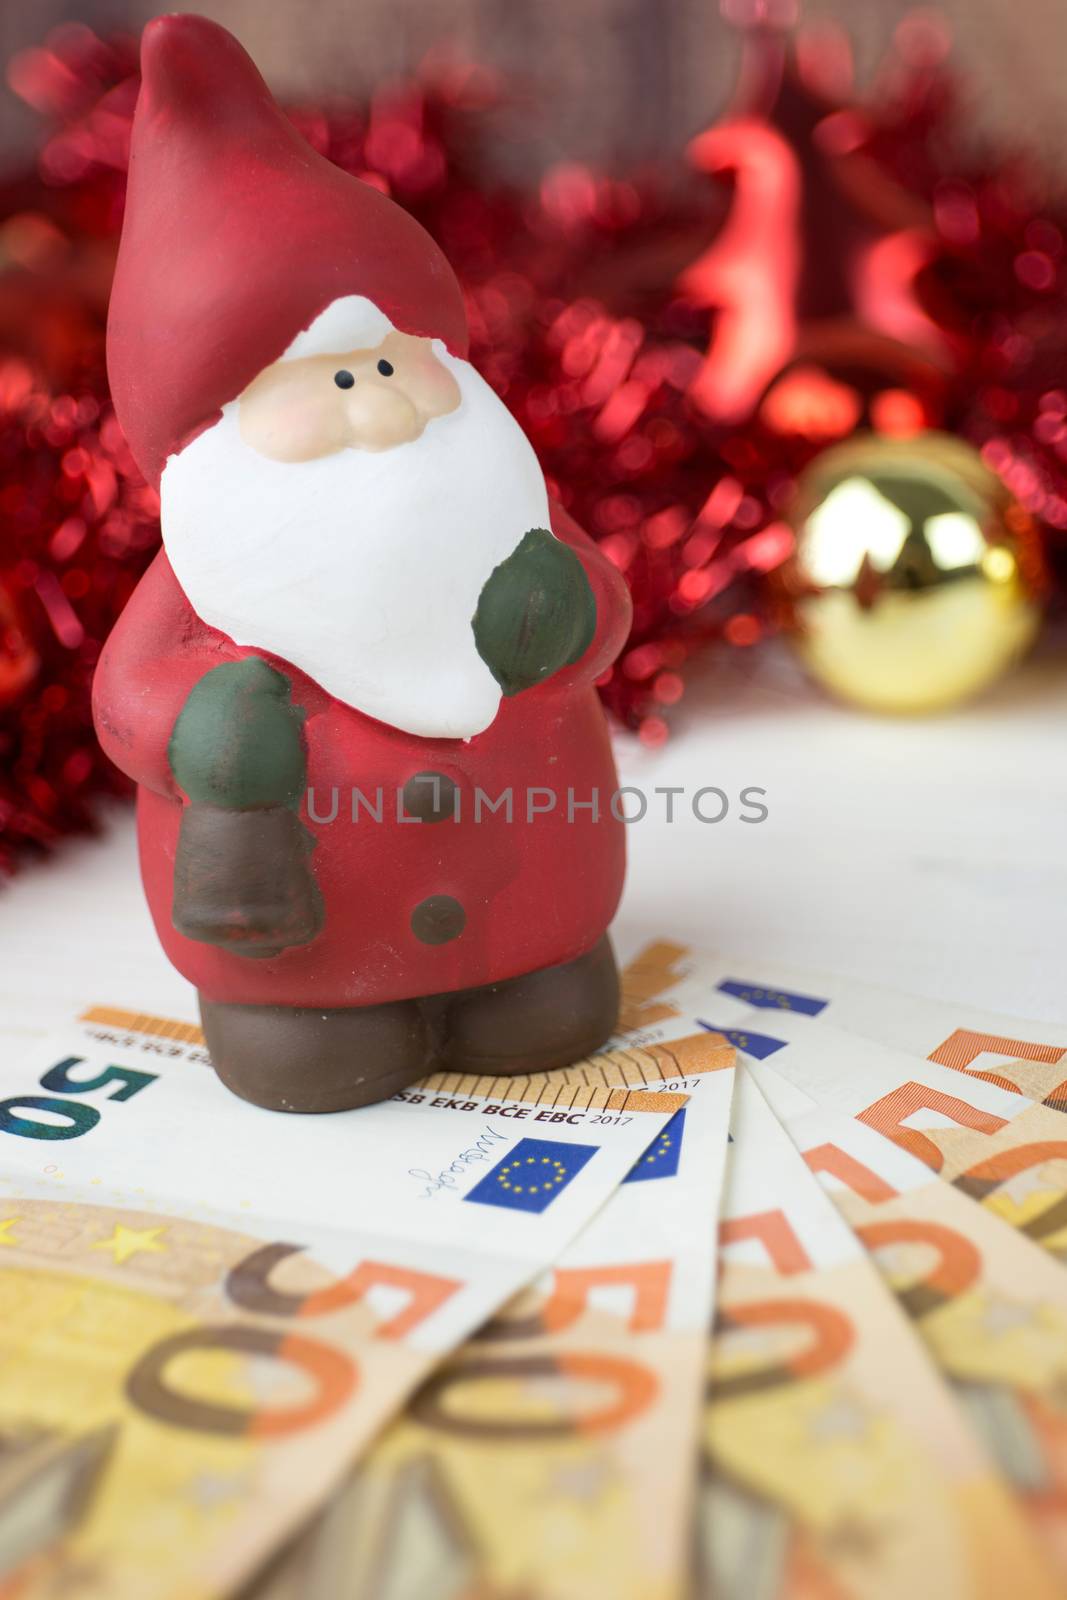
(677, 346)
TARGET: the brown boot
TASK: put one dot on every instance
(535, 1022)
(289, 1058)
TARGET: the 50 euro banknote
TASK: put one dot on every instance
(835, 1459)
(207, 1310)
(554, 1456)
(990, 1305)
(979, 1098)
(907, 1146)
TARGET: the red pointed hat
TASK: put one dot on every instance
(236, 236)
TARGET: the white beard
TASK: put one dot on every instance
(362, 568)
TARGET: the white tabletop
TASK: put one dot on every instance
(926, 854)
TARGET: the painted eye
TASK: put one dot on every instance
(344, 379)
(385, 368)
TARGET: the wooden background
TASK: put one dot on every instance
(616, 80)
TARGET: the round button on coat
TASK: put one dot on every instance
(438, 919)
(430, 796)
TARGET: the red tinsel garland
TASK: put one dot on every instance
(600, 310)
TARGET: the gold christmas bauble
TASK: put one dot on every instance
(916, 579)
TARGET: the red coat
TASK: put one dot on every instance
(535, 893)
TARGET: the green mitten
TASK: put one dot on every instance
(535, 614)
(238, 741)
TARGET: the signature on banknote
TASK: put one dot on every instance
(447, 1176)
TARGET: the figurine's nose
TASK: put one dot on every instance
(379, 414)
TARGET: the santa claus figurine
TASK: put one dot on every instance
(356, 687)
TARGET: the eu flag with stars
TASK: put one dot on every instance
(760, 1045)
(531, 1176)
(661, 1158)
(765, 999)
